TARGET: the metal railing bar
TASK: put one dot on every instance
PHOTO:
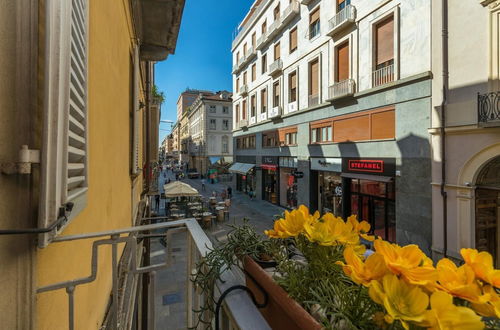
(114, 263)
(135, 229)
(71, 306)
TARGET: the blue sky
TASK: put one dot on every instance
(202, 59)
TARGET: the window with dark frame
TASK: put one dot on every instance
(322, 134)
(384, 52)
(276, 12)
(244, 110)
(277, 51)
(314, 82)
(341, 4)
(254, 72)
(253, 105)
(263, 68)
(314, 23)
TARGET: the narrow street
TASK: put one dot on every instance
(170, 284)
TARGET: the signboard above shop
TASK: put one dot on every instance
(374, 166)
(326, 164)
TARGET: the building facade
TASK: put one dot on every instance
(332, 108)
(465, 127)
(75, 155)
(210, 125)
(176, 140)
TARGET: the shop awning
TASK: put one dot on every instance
(241, 168)
(370, 177)
(214, 160)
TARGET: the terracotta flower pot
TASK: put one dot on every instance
(281, 312)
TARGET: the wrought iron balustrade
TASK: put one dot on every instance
(488, 108)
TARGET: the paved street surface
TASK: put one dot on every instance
(170, 285)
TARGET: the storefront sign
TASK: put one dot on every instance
(298, 175)
(270, 160)
(326, 164)
(376, 166)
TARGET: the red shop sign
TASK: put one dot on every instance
(362, 165)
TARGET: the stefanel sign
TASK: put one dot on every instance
(376, 166)
(363, 165)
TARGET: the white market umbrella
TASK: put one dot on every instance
(179, 189)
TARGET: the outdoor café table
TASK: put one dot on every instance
(220, 213)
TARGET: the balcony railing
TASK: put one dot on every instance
(240, 33)
(313, 100)
(243, 90)
(383, 76)
(276, 67)
(290, 12)
(251, 54)
(342, 19)
(488, 109)
(274, 28)
(243, 123)
(261, 41)
(238, 311)
(342, 89)
(274, 112)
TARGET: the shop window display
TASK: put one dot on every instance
(330, 189)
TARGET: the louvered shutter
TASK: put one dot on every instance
(385, 41)
(63, 176)
(343, 62)
(136, 118)
(77, 127)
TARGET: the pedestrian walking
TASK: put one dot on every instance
(203, 184)
(157, 199)
(229, 192)
(252, 194)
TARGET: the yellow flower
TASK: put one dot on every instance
(459, 281)
(444, 315)
(363, 273)
(319, 232)
(331, 230)
(402, 301)
(409, 262)
(490, 308)
(362, 228)
(292, 225)
(482, 264)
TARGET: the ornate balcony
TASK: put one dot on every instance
(488, 109)
(244, 90)
(343, 19)
(341, 89)
(290, 12)
(251, 54)
(243, 123)
(276, 67)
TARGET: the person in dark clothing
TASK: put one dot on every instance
(157, 199)
(229, 192)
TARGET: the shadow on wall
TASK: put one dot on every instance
(413, 193)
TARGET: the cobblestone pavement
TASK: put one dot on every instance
(170, 283)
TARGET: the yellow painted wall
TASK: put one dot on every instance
(110, 199)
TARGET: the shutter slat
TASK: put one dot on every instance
(76, 166)
(76, 110)
(76, 140)
(76, 123)
(75, 151)
(76, 192)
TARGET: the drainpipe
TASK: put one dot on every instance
(444, 194)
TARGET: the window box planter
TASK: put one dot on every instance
(281, 311)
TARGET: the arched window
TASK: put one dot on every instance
(488, 209)
(225, 144)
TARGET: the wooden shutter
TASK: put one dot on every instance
(244, 110)
(253, 104)
(237, 85)
(245, 49)
(293, 40)
(254, 73)
(277, 53)
(276, 94)
(245, 78)
(343, 62)
(264, 63)
(314, 78)
(276, 12)
(384, 33)
(237, 113)
(314, 16)
(293, 86)
(264, 27)
(254, 39)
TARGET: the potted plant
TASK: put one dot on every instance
(323, 277)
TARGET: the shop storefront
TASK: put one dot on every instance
(245, 176)
(371, 193)
(270, 179)
(327, 185)
(288, 182)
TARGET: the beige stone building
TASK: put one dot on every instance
(465, 130)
